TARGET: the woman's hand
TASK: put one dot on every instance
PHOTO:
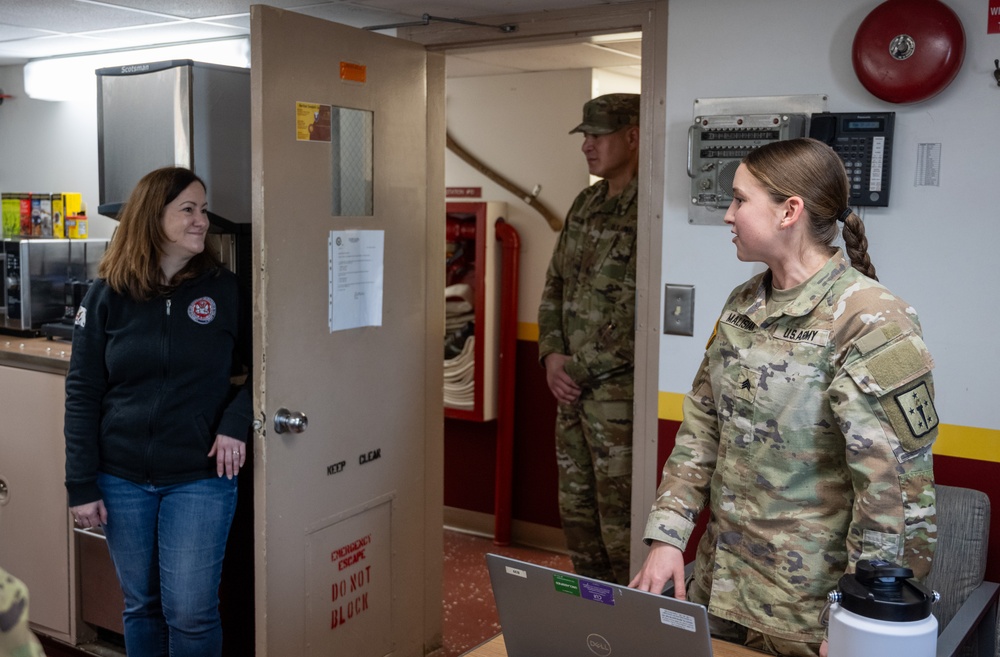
(663, 563)
(92, 514)
(229, 454)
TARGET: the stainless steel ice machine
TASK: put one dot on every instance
(175, 113)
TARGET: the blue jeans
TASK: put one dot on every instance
(167, 544)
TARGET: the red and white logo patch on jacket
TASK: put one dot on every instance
(202, 310)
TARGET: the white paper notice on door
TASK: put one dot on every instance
(356, 271)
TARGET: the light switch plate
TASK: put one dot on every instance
(678, 309)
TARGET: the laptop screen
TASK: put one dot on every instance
(550, 613)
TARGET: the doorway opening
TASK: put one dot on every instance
(511, 107)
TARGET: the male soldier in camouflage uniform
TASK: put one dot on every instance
(586, 343)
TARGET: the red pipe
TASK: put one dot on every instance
(511, 242)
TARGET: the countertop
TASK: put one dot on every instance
(40, 354)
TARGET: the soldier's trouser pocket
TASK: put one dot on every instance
(620, 461)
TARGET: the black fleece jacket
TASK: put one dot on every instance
(149, 386)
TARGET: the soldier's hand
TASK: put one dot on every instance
(663, 563)
(563, 388)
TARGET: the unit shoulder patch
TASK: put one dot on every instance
(918, 409)
(911, 413)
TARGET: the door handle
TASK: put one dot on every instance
(290, 421)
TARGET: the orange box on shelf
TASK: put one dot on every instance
(76, 226)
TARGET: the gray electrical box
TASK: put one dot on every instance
(724, 130)
(717, 145)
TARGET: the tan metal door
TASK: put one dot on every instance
(348, 525)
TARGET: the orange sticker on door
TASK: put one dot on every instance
(352, 72)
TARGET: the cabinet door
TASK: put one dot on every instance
(34, 520)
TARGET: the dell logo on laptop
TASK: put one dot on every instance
(598, 645)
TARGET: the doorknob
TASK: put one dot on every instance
(293, 421)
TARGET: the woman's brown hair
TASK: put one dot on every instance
(131, 264)
(811, 170)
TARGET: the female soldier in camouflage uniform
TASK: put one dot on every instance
(809, 427)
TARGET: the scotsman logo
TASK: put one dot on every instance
(135, 69)
(598, 645)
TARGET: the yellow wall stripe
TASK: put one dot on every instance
(527, 332)
(953, 440)
(670, 406)
(968, 443)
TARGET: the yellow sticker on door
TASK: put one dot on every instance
(312, 122)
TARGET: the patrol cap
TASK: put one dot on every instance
(609, 113)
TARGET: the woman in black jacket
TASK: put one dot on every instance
(155, 431)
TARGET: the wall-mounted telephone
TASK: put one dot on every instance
(717, 144)
(864, 142)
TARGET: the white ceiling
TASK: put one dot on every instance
(32, 29)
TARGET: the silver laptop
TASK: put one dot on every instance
(549, 613)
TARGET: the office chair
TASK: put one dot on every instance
(967, 610)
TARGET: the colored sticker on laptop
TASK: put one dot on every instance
(674, 619)
(517, 572)
(566, 584)
(597, 592)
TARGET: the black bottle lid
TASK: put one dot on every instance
(882, 590)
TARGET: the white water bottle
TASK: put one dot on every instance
(881, 610)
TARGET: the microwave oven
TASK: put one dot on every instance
(37, 275)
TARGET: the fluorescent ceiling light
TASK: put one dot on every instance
(66, 78)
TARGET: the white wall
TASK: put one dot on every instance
(50, 146)
(934, 246)
(519, 125)
(609, 81)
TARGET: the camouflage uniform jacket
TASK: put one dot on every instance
(809, 432)
(588, 304)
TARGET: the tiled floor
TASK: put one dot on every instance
(469, 615)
